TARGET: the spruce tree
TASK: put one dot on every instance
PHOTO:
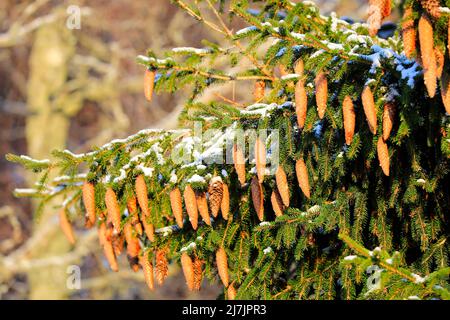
(345, 150)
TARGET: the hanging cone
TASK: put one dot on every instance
(349, 119)
(148, 228)
(369, 109)
(215, 192)
(383, 156)
(149, 84)
(188, 270)
(110, 255)
(260, 158)
(162, 266)
(302, 177)
(426, 40)
(388, 120)
(147, 268)
(408, 33)
(257, 198)
(277, 204)
(225, 204)
(376, 8)
(132, 210)
(202, 206)
(445, 91)
(190, 202)
(282, 185)
(439, 62)
(102, 234)
(258, 93)
(177, 206)
(239, 163)
(231, 292)
(222, 265)
(89, 203)
(387, 8)
(142, 194)
(321, 84)
(133, 247)
(198, 273)
(301, 103)
(432, 7)
(299, 67)
(66, 226)
(113, 209)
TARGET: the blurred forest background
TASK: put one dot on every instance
(78, 88)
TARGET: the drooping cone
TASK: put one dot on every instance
(239, 163)
(188, 270)
(302, 177)
(427, 54)
(369, 109)
(215, 192)
(110, 255)
(132, 210)
(147, 268)
(260, 158)
(148, 228)
(102, 234)
(383, 156)
(445, 91)
(190, 202)
(387, 8)
(66, 226)
(257, 198)
(133, 247)
(408, 33)
(388, 120)
(231, 292)
(142, 194)
(301, 103)
(162, 266)
(202, 206)
(222, 265)
(277, 203)
(432, 7)
(198, 273)
(349, 119)
(375, 12)
(282, 185)
(439, 62)
(177, 206)
(149, 84)
(258, 93)
(225, 204)
(89, 203)
(321, 84)
(299, 67)
(113, 209)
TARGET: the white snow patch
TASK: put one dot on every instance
(350, 258)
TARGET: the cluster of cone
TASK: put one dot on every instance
(431, 57)
(113, 236)
(192, 270)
